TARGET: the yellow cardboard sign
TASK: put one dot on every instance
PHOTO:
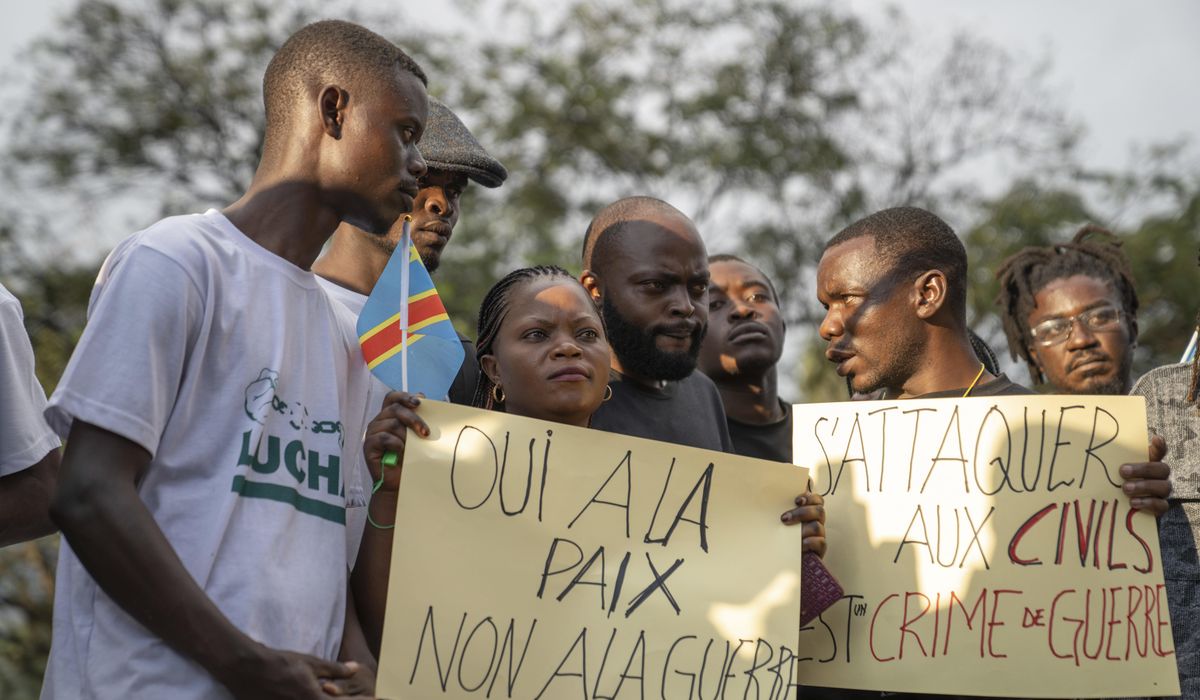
(986, 548)
(539, 560)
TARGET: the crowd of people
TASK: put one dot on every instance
(221, 493)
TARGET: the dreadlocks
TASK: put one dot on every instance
(492, 312)
(1093, 252)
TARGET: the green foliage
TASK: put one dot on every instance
(26, 604)
(159, 89)
(1163, 250)
(718, 107)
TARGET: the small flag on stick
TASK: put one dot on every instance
(407, 339)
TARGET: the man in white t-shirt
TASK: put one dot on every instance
(214, 405)
(352, 264)
(28, 448)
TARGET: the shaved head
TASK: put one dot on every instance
(613, 222)
(329, 52)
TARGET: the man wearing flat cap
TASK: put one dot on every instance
(354, 259)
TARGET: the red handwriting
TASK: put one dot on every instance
(1086, 534)
(1114, 623)
(1086, 624)
(917, 607)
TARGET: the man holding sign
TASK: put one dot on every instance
(893, 286)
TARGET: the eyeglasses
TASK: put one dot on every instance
(1101, 319)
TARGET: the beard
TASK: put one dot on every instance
(901, 363)
(1115, 385)
(636, 349)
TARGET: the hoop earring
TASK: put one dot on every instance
(497, 394)
(607, 392)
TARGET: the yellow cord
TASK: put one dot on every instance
(974, 381)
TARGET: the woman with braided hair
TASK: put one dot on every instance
(542, 353)
(541, 348)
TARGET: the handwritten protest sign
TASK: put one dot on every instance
(538, 560)
(986, 548)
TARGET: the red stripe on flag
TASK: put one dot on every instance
(391, 336)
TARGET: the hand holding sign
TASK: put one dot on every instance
(387, 433)
(810, 514)
(1147, 484)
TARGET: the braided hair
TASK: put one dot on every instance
(492, 312)
(1093, 251)
(984, 353)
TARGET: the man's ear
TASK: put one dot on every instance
(929, 293)
(487, 363)
(331, 103)
(591, 283)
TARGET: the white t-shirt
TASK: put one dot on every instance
(356, 518)
(24, 436)
(235, 371)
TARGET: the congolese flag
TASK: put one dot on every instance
(404, 306)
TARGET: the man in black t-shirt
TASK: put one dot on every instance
(645, 266)
(893, 286)
(740, 354)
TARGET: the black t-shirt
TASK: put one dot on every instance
(686, 412)
(462, 391)
(1000, 386)
(771, 441)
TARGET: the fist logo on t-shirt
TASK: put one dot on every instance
(262, 401)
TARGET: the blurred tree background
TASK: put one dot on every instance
(772, 123)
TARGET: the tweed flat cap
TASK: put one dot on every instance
(447, 144)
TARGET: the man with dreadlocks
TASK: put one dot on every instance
(1172, 394)
(1070, 311)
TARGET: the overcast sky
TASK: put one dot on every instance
(1127, 69)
